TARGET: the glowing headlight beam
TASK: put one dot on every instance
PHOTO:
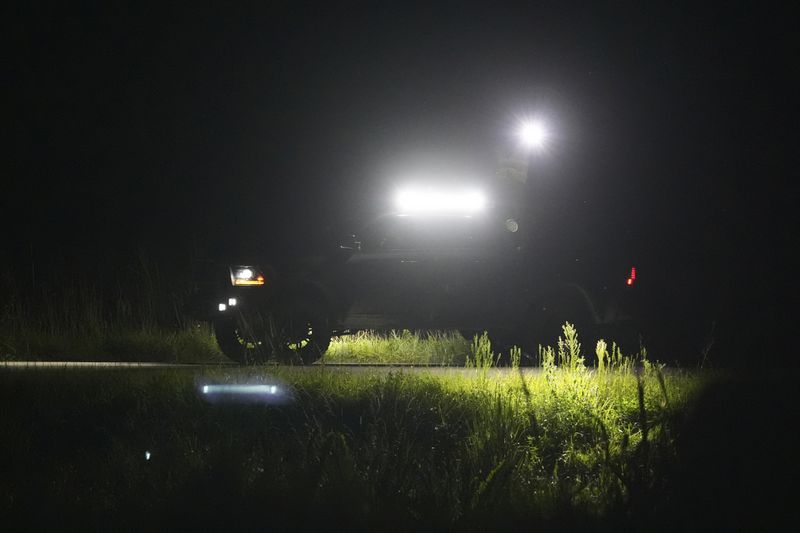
(413, 201)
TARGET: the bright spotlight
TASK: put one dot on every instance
(222, 307)
(533, 134)
(426, 201)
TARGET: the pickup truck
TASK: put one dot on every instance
(432, 264)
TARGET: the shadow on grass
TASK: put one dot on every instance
(738, 457)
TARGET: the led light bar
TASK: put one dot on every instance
(428, 201)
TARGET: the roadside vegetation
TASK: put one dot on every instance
(447, 348)
(466, 450)
(147, 312)
(138, 314)
(620, 443)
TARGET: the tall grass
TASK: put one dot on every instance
(446, 348)
(450, 348)
(564, 447)
(134, 313)
(481, 355)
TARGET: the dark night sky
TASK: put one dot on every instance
(162, 126)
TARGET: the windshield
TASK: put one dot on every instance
(425, 233)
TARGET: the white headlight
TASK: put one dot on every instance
(246, 275)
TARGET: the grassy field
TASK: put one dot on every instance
(622, 448)
(621, 445)
(565, 447)
(106, 312)
(143, 312)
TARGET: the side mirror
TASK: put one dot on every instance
(350, 242)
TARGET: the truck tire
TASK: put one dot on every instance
(305, 330)
(245, 337)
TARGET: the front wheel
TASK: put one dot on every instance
(246, 337)
(306, 330)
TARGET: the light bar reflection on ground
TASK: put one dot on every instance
(240, 389)
(266, 393)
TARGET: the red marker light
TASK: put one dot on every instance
(632, 277)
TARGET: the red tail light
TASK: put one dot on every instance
(632, 277)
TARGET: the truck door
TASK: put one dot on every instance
(390, 280)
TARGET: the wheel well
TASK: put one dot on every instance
(566, 297)
(547, 312)
(305, 291)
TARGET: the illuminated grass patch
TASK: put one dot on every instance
(472, 448)
(436, 348)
